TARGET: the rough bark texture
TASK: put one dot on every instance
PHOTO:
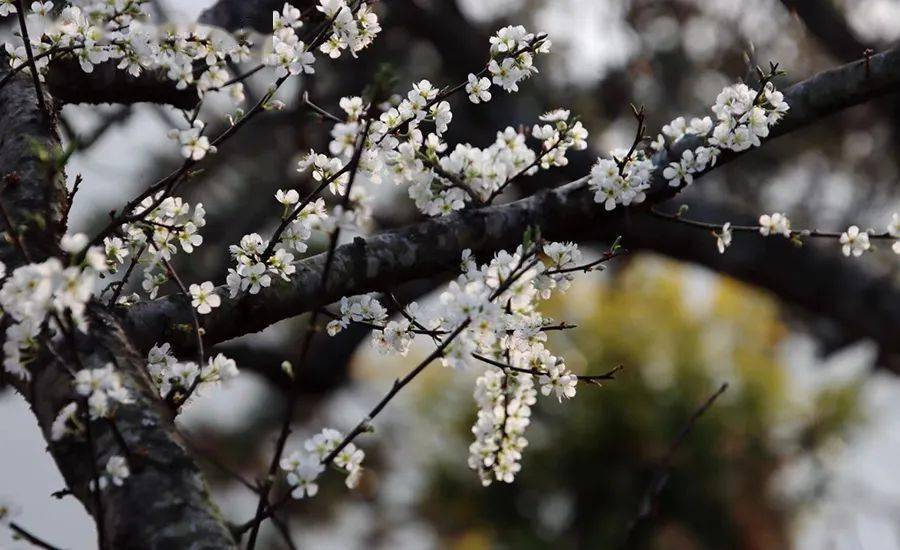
(165, 503)
(567, 212)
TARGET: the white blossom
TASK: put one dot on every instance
(723, 238)
(204, 298)
(775, 224)
(478, 89)
(854, 241)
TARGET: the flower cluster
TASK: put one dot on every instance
(289, 54)
(775, 224)
(47, 292)
(489, 313)
(256, 264)
(178, 380)
(397, 146)
(98, 31)
(103, 390)
(623, 181)
(304, 467)
(504, 411)
(164, 225)
(744, 116)
(349, 30)
(359, 309)
(512, 58)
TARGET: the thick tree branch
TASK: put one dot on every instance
(828, 25)
(567, 212)
(67, 83)
(246, 14)
(165, 503)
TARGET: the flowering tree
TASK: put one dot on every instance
(107, 371)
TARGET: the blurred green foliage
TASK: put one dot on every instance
(679, 334)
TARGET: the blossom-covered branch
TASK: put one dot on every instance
(430, 247)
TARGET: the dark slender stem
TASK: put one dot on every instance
(198, 330)
(121, 286)
(651, 495)
(814, 233)
(455, 181)
(311, 329)
(522, 172)
(607, 256)
(24, 534)
(638, 138)
(285, 531)
(36, 78)
(325, 114)
(239, 78)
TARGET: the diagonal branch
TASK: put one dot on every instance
(433, 246)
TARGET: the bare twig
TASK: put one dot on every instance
(26, 535)
(36, 78)
(651, 495)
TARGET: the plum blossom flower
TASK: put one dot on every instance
(854, 241)
(204, 298)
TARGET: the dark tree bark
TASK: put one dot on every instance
(165, 503)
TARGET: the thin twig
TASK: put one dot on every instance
(36, 78)
(24, 534)
(814, 233)
(311, 329)
(124, 281)
(325, 114)
(651, 495)
(198, 330)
